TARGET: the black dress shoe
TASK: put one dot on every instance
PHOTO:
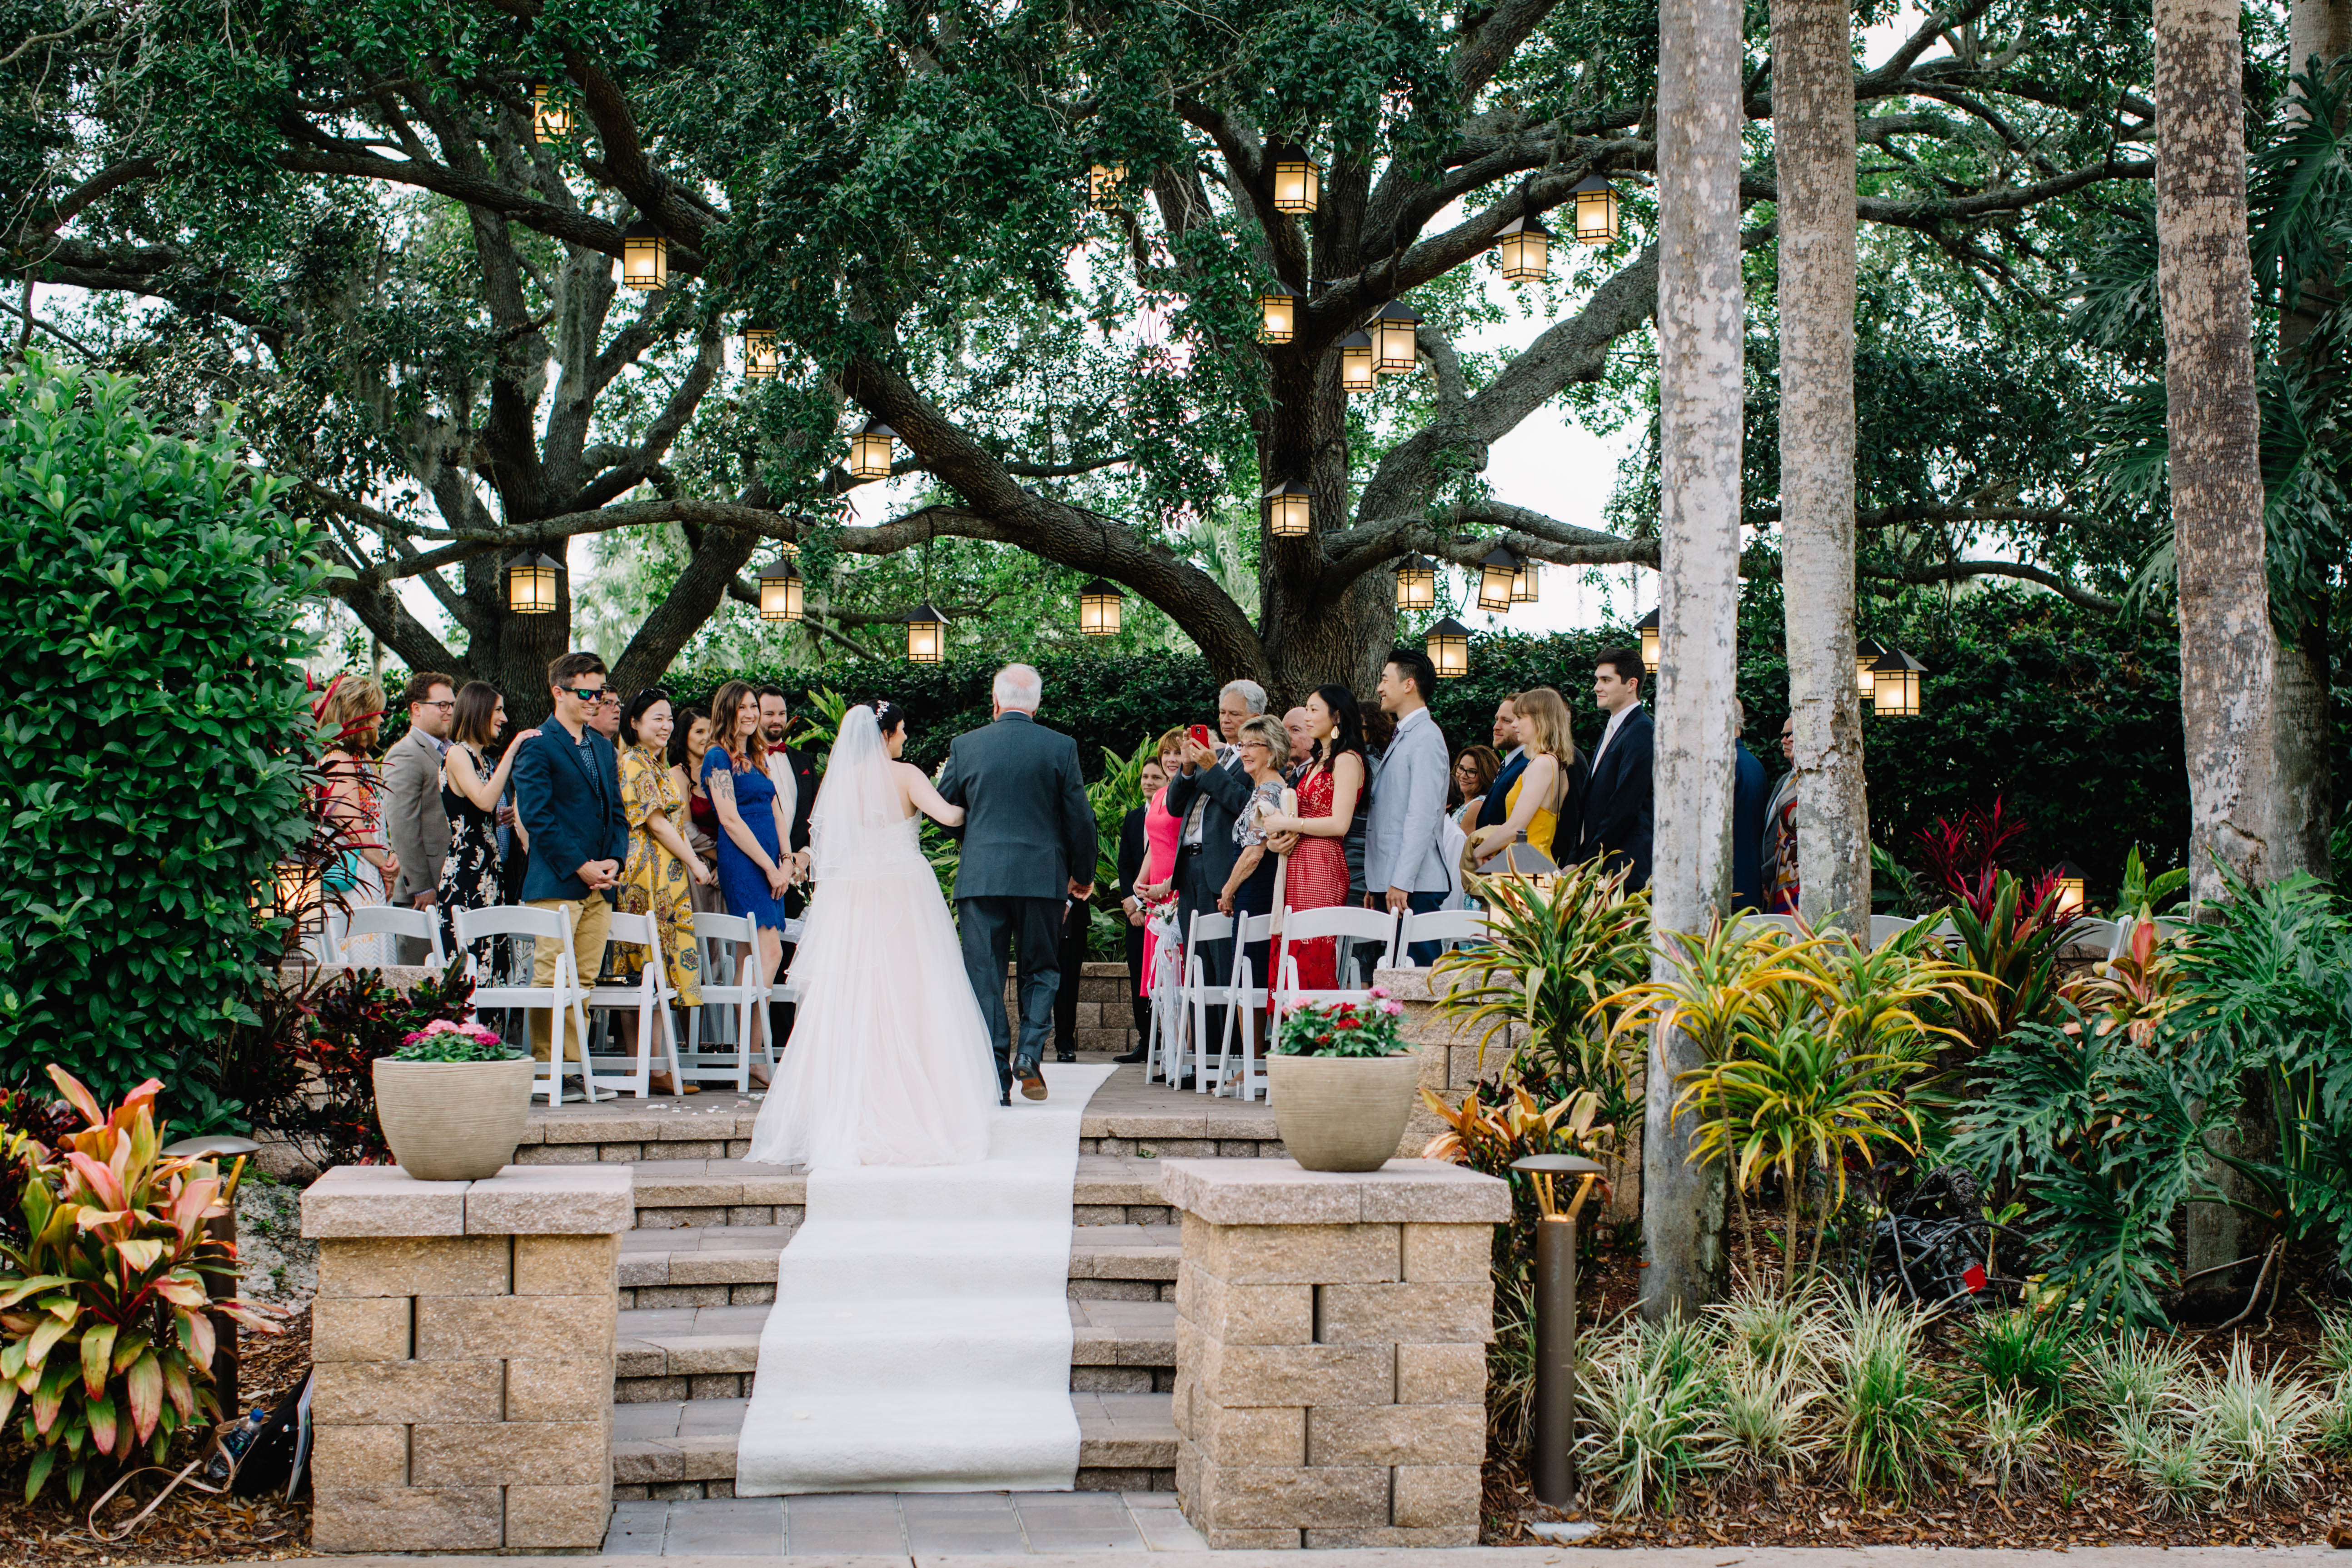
(1066, 1056)
(1032, 1080)
(1129, 1056)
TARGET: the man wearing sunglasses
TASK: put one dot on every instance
(568, 795)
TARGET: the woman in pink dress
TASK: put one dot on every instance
(1330, 792)
(1157, 885)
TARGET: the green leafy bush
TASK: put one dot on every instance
(152, 727)
(449, 1040)
(1343, 1029)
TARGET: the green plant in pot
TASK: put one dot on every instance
(452, 1101)
(1341, 1080)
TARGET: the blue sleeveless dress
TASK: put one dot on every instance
(741, 880)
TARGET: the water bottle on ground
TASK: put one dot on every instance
(234, 1443)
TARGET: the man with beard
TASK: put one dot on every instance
(793, 772)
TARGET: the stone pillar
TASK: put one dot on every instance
(462, 1338)
(1332, 1350)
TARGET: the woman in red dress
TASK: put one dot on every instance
(1330, 792)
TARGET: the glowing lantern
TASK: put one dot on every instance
(1298, 178)
(645, 256)
(1650, 641)
(870, 450)
(1449, 648)
(1356, 374)
(1394, 352)
(531, 584)
(1416, 583)
(926, 635)
(1524, 590)
(780, 592)
(1279, 318)
(1103, 182)
(1596, 211)
(1866, 655)
(551, 117)
(760, 360)
(1099, 607)
(1524, 246)
(2072, 893)
(1287, 512)
(1498, 573)
(1895, 685)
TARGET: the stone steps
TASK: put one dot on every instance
(687, 1448)
(735, 1266)
(698, 1193)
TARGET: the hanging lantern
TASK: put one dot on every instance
(1099, 605)
(1895, 685)
(926, 635)
(1596, 211)
(1524, 246)
(1103, 182)
(870, 450)
(1498, 573)
(531, 584)
(1524, 590)
(2072, 893)
(759, 359)
(1287, 512)
(1416, 583)
(1648, 627)
(780, 592)
(1866, 655)
(1356, 374)
(1395, 352)
(551, 117)
(1278, 321)
(645, 256)
(1449, 648)
(1298, 178)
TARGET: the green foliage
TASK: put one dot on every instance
(447, 1040)
(2024, 1356)
(315, 1080)
(1651, 1396)
(151, 748)
(2254, 1430)
(1343, 1029)
(1894, 1426)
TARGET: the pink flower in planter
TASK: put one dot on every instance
(1379, 991)
(1391, 1008)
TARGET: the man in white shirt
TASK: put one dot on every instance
(1404, 860)
(1617, 800)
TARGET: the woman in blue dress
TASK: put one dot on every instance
(754, 868)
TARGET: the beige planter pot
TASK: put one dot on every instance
(453, 1121)
(1342, 1113)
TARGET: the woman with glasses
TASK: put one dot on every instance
(471, 790)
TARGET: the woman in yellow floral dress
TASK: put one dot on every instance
(662, 870)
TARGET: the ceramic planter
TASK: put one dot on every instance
(1342, 1113)
(453, 1121)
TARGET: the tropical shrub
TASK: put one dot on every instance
(1652, 1397)
(150, 726)
(1343, 1029)
(105, 1338)
(1894, 1426)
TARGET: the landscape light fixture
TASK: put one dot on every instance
(1524, 246)
(1895, 685)
(1103, 182)
(645, 256)
(1298, 178)
(1648, 627)
(531, 582)
(1498, 573)
(1099, 607)
(1416, 583)
(1448, 645)
(781, 594)
(1596, 211)
(1394, 352)
(1551, 1458)
(1866, 655)
(870, 450)
(759, 359)
(1287, 511)
(551, 117)
(1356, 373)
(2071, 890)
(1524, 591)
(1278, 317)
(926, 635)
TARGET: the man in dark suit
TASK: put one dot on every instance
(1617, 806)
(1028, 838)
(1747, 791)
(568, 796)
(1207, 795)
(793, 772)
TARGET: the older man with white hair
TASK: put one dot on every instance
(1028, 850)
(1211, 792)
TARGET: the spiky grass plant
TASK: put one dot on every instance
(1893, 1421)
(2331, 1429)
(1652, 1397)
(2175, 1472)
(2335, 1351)
(1778, 1335)
(2254, 1431)
(2133, 1377)
(2023, 1355)
(2016, 1448)
(1765, 1421)
(1511, 1368)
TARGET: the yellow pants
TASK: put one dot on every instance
(591, 919)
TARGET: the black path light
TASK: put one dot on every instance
(1448, 645)
(1524, 246)
(1298, 178)
(1278, 317)
(1551, 1463)
(1288, 509)
(551, 117)
(1356, 373)
(1596, 211)
(1394, 351)
(532, 585)
(1895, 685)
(645, 256)
(870, 450)
(1498, 575)
(760, 361)
(1648, 627)
(1416, 583)
(781, 594)
(1098, 609)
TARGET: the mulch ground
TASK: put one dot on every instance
(191, 1526)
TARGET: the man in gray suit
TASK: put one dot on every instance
(1028, 838)
(1403, 863)
(413, 820)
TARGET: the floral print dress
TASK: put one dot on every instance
(654, 881)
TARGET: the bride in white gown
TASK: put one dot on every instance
(889, 1061)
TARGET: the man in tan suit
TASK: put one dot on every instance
(413, 820)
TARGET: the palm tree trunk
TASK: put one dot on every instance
(1700, 320)
(1813, 146)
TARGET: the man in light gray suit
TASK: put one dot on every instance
(1404, 862)
(1029, 846)
(413, 820)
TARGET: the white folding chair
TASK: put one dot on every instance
(1443, 926)
(1243, 996)
(1884, 929)
(1193, 1002)
(745, 992)
(1334, 922)
(649, 998)
(2097, 933)
(562, 995)
(1748, 923)
(395, 920)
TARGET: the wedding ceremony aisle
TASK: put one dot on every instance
(920, 1336)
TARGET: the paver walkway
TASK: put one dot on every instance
(861, 1524)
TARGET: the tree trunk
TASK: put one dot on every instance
(1812, 142)
(1311, 640)
(1700, 320)
(2205, 282)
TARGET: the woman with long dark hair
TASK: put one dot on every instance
(1330, 792)
(471, 790)
(753, 869)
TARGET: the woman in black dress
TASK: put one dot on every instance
(470, 792)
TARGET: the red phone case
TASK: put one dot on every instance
(1200, 735)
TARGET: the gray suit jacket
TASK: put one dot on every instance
(414, 824)
(1401, 848)
(1031, 829)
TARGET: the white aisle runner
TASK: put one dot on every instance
(920, 1340)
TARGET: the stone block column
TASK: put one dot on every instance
(462, 1338)
(1331, 1336)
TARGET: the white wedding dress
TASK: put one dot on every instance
(889, 1061)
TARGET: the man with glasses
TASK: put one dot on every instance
(414, 822)
(568, 795)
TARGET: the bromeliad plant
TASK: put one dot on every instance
(105, 1339)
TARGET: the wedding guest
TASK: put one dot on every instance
(1158, 890)
(1492, 807)
(1302, 742)
(1135, 850)
(568, 799)
(662, 866)
(793, 772)
(1748, 792)
(1249, 886)
(1209, 791)
(1405, 860)
(472, 877)
(414, 824)
(1474, 768)
(604, 718)
(1618, 815)
(1507, 727)
(1329, 794)
(1778, 853)
(687, 743)
(1543, 797)
(755, 869)
(352, 714)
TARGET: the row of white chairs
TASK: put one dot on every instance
(730, 983)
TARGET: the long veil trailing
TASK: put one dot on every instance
(860, 826)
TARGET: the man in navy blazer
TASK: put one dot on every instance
(568, 796)
(1617, 804)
